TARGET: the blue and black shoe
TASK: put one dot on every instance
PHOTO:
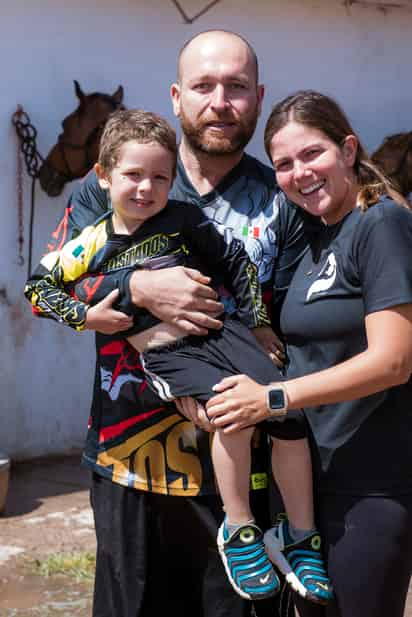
(249, 570)
(300, 562)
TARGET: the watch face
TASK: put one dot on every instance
(276, 399)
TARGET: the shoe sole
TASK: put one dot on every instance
(277, 557)
(243, 594)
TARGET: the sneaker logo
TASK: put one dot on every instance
(315, 543)
(323, 586)
(247, 535)
(264, 579)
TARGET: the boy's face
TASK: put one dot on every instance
(139, 184)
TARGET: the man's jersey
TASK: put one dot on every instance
(133, 439)
(174, 236)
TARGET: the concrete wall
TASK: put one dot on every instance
(361, 55)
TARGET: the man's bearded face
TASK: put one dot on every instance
(219, 134)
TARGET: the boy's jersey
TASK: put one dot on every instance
(177, 235)
(134, 438)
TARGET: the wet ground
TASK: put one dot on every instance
(48, 512)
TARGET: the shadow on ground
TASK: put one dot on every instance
(32, 482)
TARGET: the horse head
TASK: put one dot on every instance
(77, 146)
(394, 158)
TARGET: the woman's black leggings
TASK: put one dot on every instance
(367, 543)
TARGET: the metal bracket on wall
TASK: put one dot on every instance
(190, 20)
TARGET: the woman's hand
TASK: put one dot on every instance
(272, 344)
(195, 412)
(241, 402)
(105, 319)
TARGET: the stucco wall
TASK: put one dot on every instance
(360, 55)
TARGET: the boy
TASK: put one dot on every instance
(137, 163)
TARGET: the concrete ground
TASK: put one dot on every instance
(47, 512)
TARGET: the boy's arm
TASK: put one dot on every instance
(45, 288)
(231, 260)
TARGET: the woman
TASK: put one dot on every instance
(347, 320)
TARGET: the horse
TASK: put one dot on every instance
(77, 146)
(394, 158)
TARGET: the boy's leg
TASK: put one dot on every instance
(240, 540)
(294, 545)
(231, 461)
(292, 470)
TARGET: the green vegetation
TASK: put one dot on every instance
(80, 566)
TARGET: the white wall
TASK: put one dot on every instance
(359, 55)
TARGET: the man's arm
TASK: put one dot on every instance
(87, 203)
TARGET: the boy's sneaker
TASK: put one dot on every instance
(249, 570)
(300, 562)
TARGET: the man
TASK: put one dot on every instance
(153, 494)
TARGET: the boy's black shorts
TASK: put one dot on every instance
(193, 365)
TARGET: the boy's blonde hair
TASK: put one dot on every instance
(134, 125)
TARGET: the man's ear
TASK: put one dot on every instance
(350, 149)
(103, 178)
(175, 96)
(260, 95)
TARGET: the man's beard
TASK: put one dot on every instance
(197, 137)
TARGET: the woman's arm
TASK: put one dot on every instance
(385, 363)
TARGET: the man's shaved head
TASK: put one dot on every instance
(209, 35)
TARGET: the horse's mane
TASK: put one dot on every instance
(394, 158)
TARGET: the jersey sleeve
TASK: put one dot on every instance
(381, 255)
(46, 288)
(240, 275)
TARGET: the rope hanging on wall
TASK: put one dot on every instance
(190, 20)
(26, 134)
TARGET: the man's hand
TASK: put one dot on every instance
(195, 412)
(271, 344)
(179, 296)
(105, 319)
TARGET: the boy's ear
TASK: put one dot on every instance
(102, 177)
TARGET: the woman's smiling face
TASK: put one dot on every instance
(314, 172)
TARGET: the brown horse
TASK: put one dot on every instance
(76, 149)
(394, 158)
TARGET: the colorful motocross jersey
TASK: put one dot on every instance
(133, 437)
(177, 235)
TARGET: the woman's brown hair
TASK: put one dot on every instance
(321, 112)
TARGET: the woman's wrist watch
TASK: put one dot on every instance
(277, 400)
